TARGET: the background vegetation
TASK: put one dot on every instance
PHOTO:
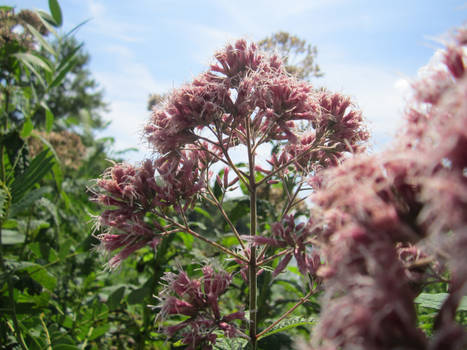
(54, 291)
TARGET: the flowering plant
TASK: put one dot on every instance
(369, 241)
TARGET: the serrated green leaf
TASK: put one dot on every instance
(56, 12)
(288, 324)
(435, 301)
(230, 343)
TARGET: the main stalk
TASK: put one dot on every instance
(253, 225)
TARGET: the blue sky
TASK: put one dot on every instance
(369, 50)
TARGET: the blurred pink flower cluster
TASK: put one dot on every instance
(382, 215)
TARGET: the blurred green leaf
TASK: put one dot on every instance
(99, 331)
(288, 324)
(27, 201)
(115, 298)
(49, 118)
(56, 12)
(38, 168)
(34, 60)
(138, 296)
(27, 128)
(65, 66)
(435, 301)
(39, 37)
(65, 347)
(12, 237)
(42, 276)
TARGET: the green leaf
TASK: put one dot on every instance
(115, 298)
(12, 237)
(65, 66)
(34, 59)
(203, 212)
(17, 151)
(435, 301)
(230, 343)
(42, 276)
(38, 168)
(48, 21)
(49, 117)
(187, 239)
(66, 347)
(56, 12)
(10, 224)
(27, 128)
(41, 39)
(27, 201)
(138, 296)
(99, 331)
(241, 209)
(288, 324)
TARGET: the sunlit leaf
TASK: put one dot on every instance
(12, 237)
(435, 301)
(288, 324)
(28, 126)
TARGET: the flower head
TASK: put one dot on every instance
(198, 299)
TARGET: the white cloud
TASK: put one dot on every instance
(105, 24)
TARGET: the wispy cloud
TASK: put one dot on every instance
(105, 24)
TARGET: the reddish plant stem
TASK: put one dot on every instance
(226, 217)
(204, 239)
(271, 258)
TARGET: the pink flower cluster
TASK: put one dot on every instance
(289, 235)
(247, 86)
(377, 213)
(129, 193)
(199, 300)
